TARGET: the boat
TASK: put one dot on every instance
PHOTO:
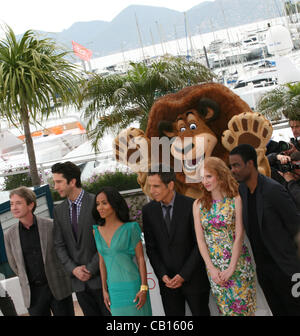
(52, 141)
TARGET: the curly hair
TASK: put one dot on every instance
(228, 185)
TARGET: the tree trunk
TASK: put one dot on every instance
(36, 182)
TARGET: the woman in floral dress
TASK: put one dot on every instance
(220, 236)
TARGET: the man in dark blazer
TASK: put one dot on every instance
(172, 247)
(30, 252)
(73, 238)
(272, 224)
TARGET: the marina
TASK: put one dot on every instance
(250, 60)
(243, 63)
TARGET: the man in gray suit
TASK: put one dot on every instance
(30, 252)
(73, 238)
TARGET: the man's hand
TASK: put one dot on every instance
(175, 282)
(82, 273)
(288, 176)
(284, 159)
(166, 279)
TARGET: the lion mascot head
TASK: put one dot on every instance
(186, 127)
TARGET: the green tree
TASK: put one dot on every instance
(282, 101)
(34, 77)
(115, 101)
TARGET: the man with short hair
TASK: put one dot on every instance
(292, 179)
(277, 157)
(30, 252)
(272, 223)
(172, 247)
(295, 127)
(73, 238)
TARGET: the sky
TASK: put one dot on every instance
(56, 15)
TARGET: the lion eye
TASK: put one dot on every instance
(182, 129)
(193, 126)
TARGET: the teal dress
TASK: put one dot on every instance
(123, 277)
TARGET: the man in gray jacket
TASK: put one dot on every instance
(30, 252)
(73, 238)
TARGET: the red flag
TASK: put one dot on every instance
(82, 52)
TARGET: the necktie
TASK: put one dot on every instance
(168, 217)
(74, 220)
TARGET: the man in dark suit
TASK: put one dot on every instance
(73, 238)
(172, 247)
(272, 223)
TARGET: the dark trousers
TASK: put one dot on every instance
(43, 303)
(277, 288)
(91, 302)
(7, 306)
(174, 301)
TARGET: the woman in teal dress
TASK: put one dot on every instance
(220, 236)
(118, 241)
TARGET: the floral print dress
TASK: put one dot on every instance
(238, 296)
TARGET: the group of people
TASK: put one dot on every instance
(194, 246)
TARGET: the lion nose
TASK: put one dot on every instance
(185, 149)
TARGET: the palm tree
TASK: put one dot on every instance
(118, 100)
(34, 77)
(282, 101)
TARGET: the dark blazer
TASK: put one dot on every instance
(278, 220)
(82, 252)
(178, 252)
(58, 280)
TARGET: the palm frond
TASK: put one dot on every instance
(282, 101)
(34, 77)
(116, 101)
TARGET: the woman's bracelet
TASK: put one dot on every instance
(144, 288)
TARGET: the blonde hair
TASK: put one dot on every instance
(227, 183)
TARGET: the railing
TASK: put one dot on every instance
(98, 156)
(42, 166)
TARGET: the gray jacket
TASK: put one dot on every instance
(74, 253)
(58, 280)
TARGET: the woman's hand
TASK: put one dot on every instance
(106, 299)
(140, 298)
(226, 275)
(215, 275)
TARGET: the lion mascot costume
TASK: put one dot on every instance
(186, 127)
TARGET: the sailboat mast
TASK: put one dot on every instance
(186, 37)
(140, 37)
(177, 42)
(161, 42)
(153, 45)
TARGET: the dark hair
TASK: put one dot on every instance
(69, 170)
(26, 193)
(166, 173)
(116, 201)
(247, 153)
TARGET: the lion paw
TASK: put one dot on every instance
(247, 128)
(253, 129)
(131, 148)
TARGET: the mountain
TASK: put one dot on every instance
(122, 31)
(220, 14)
(158, 24)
